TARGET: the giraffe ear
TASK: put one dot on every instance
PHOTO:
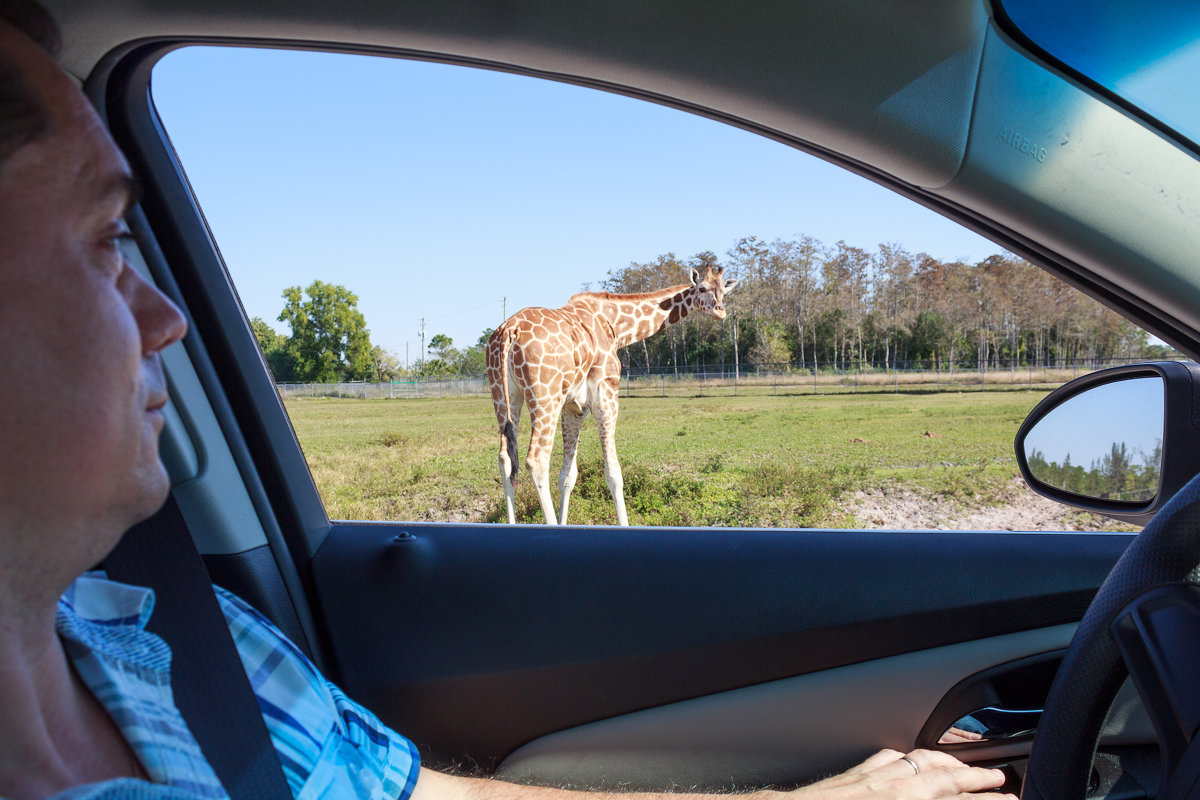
(730, 284)
(695, 276)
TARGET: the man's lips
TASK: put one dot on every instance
(154, 383)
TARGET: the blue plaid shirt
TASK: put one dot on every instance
(329, 746)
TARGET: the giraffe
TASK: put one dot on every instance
(563, 361)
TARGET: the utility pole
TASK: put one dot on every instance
(504, 309)
(422, 339)
(406, 354)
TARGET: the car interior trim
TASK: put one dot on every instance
(760, 735)
(1015, 32)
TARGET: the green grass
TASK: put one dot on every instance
(735, 461)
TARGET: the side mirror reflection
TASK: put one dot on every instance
(1104, 443)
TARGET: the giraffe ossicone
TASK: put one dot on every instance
(563, 361)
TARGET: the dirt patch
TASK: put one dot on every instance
(1019, 510)
(460, 509)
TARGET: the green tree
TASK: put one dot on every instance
(441, 347)
(433, 368)
(275, 350)
(330, 340)
(443, 358)
(384, 365)
(1115, 472)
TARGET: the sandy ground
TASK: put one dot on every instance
(1022, 510)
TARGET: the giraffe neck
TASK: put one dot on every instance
(640, 316)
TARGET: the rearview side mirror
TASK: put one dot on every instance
(1118, 442)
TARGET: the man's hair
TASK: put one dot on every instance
(23, 118)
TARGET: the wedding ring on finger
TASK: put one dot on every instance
(911, 763)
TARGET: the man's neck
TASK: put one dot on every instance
(54, 734)
(38, 693)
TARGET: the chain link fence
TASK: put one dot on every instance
(751, 379)
(399, 389)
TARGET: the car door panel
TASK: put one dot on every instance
(777, 732)
(798, 729)
(475, 640)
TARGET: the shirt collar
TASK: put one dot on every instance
(94, 598)
(109, 618)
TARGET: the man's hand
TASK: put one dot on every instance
(921, 775)
(959, 736)
(887, 775)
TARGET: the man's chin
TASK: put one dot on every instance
(154, 487)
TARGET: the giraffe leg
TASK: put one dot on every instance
(571, 425)
(606, 421)
(508, 450)
(541, 442)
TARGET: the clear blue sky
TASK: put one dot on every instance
(441, 192)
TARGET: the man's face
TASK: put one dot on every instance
(79, 331)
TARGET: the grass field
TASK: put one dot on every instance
(760, 460)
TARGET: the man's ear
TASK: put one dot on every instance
(695, 275)
(729, 284)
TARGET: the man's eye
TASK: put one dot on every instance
(116, 235)
(109, 254)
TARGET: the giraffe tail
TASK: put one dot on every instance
(509, 429)
(510, 436)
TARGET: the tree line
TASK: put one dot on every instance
(805, 304)
(799, 304)
(1122, 474)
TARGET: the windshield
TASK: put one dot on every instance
(1147, 54)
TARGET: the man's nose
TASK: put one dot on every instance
(159, 319)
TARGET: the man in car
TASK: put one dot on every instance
(85, 693)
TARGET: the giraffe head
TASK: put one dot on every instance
(708, 293)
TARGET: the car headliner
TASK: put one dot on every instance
(929, 97)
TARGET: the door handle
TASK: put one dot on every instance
(989, 724)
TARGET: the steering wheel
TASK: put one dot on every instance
(1095, 666)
